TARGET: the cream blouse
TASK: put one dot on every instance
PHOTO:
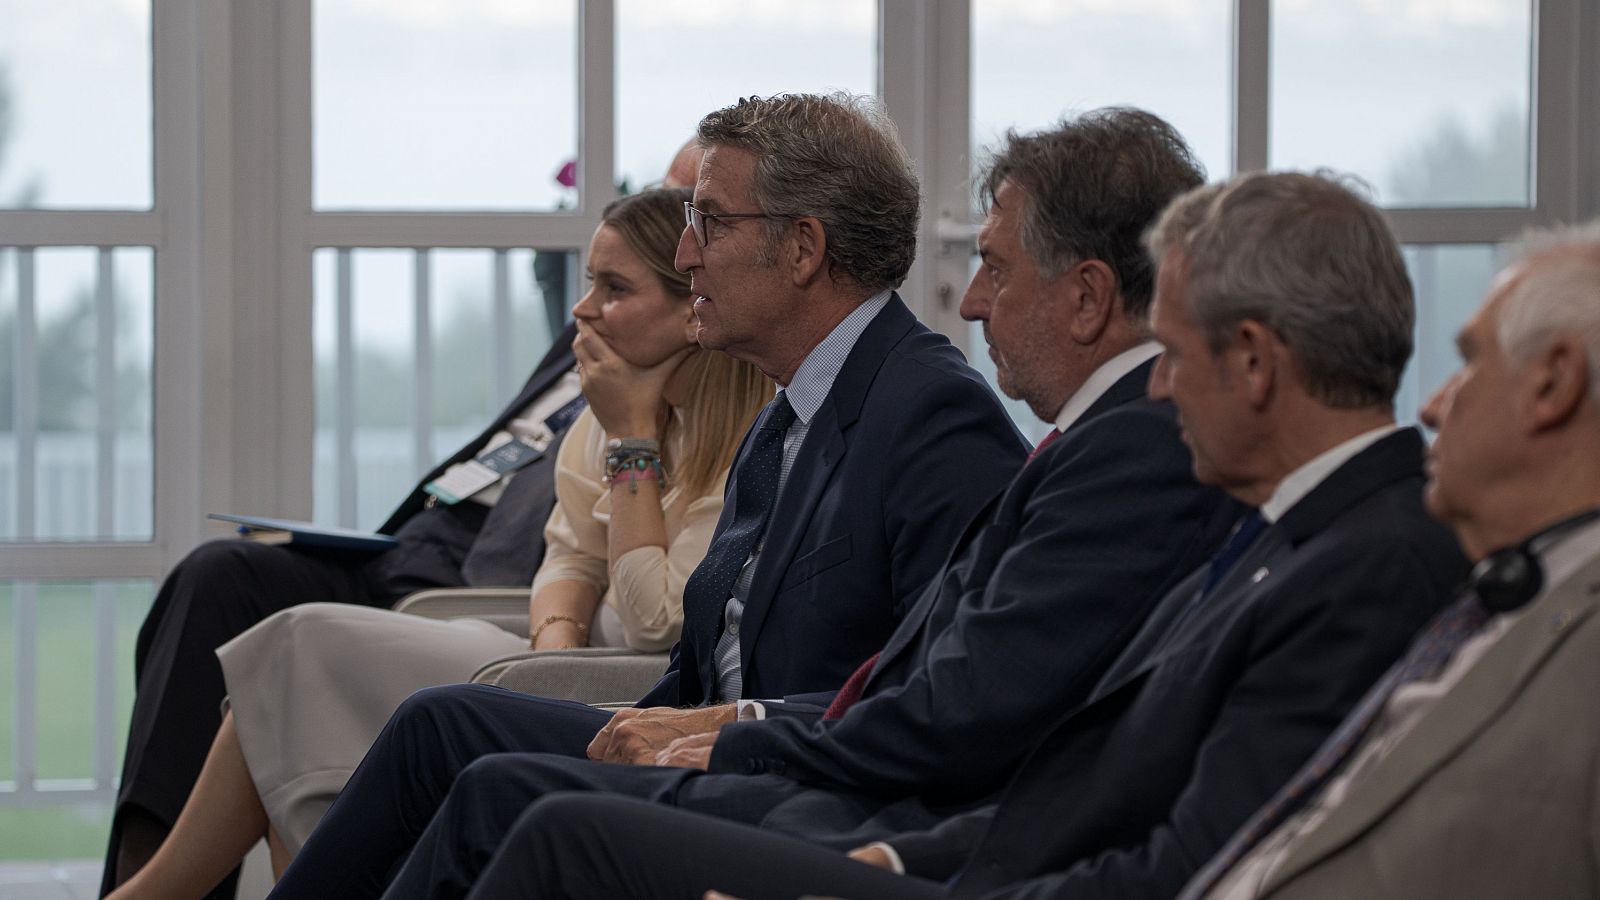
(644, 599)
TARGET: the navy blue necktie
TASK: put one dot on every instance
(1244, 534)
(756, 490)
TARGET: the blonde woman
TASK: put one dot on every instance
(310, 688)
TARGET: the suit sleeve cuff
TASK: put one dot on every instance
(751, 711)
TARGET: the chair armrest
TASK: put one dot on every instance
(597, 676)
(454, 603)
(505, 607)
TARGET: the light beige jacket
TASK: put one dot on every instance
(1496, 792)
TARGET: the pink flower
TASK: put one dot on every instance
(568, 175)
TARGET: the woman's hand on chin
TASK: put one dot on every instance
(626, 399)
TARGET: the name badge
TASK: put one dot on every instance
(462, 480)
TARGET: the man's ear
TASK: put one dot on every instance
(807, 250)
(1259, 358)
(1091, 288)
(1554, 384)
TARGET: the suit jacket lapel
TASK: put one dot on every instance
(1477, 700)
(825, 445)
(1396, 456)
(1126, 389)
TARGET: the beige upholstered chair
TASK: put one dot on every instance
(599, 676)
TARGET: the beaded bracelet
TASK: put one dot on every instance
(636, 470)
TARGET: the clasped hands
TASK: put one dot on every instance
(659, 736)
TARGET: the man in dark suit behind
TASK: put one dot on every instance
(843, 501)
(1043, 591)
(1285, 314)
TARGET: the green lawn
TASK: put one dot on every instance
(66, 657)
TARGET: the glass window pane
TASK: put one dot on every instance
(67, 618)
(75, 126)
(1450, 281)
(491, 316)
(677, 62)
(76, 446)
(1427, 101)
(1033, 61)
(465, 105)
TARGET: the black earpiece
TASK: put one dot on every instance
(1508, 578)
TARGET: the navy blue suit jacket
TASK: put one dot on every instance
(1022, 622)
(908, 446)
(1214, 706)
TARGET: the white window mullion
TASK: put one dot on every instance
(25, 387)
(596, 60)
(105, 394)
(25, 677)
(105, 684)
(470, 230)
(1252, 88)
(500, 376)
(1557, 110)
(925, 82)
(178, 355)
(344, 404)
(597, 134)
(422, 362)
(56, 228)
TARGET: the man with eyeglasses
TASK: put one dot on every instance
(845, 498)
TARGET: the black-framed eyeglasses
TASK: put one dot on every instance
(697, 219)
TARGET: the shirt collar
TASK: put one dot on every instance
(1110, 372)
(814, 379)
(1302, 481)
(1567, 554)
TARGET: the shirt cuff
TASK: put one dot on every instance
(895, 865)
(751, 711)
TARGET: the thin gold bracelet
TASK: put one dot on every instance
(583, 629)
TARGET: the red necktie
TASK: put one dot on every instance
(851, 692)
(1047, 441)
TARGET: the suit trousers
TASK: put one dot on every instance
(588, 846)
(393, 795)
(490, 795)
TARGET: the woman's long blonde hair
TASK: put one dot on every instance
(725, 394)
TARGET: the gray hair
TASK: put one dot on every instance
(1094, 184)
(1307, 256)
(839, 159)
(1558, 294)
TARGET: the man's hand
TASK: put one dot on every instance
(636, 736)
(689, 753)
(872, 855)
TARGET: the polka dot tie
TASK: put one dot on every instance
(755, 492)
